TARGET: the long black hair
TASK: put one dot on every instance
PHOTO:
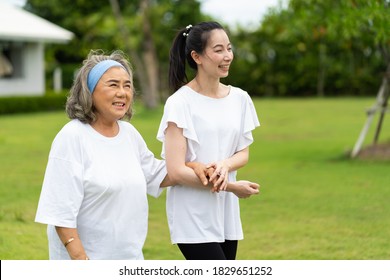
(188, 39)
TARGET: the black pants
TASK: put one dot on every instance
(210, 251)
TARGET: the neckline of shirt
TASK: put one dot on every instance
(208, 97)
(100, 136)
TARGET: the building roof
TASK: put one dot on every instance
(17, 24)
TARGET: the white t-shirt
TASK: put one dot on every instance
(99, 185)
(215, 130)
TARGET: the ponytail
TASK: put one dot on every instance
(177, 60)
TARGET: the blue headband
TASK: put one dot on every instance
(97, 72)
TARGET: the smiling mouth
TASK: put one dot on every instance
(119, 104)
(225, 67)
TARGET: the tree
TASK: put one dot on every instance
(371, 17)
(344, 23)
(147, 66)
(146, 29)
(310, 47)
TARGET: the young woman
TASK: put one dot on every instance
(209, 122)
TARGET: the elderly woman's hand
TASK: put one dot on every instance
(202, 171)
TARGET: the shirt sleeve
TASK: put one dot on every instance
(177, 111)
(154, 169)
(62, 190)
(250, 122)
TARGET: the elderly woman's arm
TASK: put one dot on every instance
(70, 239)
(201, 170)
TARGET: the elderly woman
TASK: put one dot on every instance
(94, 194)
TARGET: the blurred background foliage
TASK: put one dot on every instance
(307, 48)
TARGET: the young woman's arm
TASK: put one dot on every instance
(175, 153)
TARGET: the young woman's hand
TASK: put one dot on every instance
(244, 189)
(220, 177)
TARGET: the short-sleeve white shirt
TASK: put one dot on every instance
(215, 130)
(99, 185)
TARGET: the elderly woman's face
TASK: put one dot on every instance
(113, 95)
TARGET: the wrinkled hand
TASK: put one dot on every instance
(246, 188)
(220, 176)
(202, 171)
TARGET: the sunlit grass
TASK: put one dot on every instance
(315, 202)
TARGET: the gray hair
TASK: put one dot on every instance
(79, 104)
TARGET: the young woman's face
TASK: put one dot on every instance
(218, 54)
(113, 94)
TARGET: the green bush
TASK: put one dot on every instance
(24, 104)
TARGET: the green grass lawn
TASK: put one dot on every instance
(315, 202)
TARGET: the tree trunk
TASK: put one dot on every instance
(150, 97)
(383, 103)
(141, 67)
(321, 70)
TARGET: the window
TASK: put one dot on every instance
(11, 60)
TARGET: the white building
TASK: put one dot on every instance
(22, 39)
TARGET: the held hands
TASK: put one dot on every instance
(202, 171)
(209, 174)
(220, 176)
